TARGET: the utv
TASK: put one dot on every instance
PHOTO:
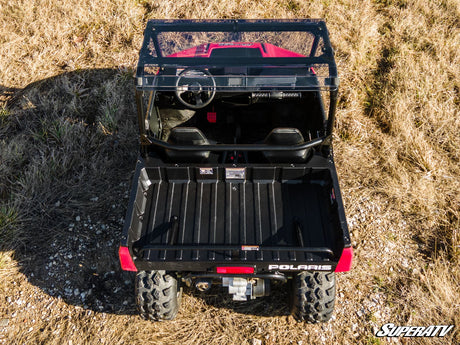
(235, 183)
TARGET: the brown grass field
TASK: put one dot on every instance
(68, 145)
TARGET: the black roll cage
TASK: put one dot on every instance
(315, 26)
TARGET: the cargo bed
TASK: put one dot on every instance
(262, 215)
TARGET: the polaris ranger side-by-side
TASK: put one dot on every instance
(236, 183)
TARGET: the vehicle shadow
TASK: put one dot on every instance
(76, 140)
(68, 154)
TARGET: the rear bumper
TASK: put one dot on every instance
(343, 265)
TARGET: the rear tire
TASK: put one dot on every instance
(158, 295)
(313, 296)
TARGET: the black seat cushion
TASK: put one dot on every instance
(285, 136)
(187, 136)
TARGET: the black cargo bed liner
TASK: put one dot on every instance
(274, 214)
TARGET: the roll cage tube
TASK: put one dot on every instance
(232, 147)
(155, 27)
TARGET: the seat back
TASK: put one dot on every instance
(285, 136)
(187, 136)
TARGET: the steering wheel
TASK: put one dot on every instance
(195, 87)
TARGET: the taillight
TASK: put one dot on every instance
(126, 261)
(345, 260)
(235, 270)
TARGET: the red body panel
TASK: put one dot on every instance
(266, 49)
(126, 260)
(345, 261)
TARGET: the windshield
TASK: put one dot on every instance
(204, 44)
(239, 55)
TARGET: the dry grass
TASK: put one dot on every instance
(68, 133)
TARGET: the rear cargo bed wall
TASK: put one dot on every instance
(262, 174)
